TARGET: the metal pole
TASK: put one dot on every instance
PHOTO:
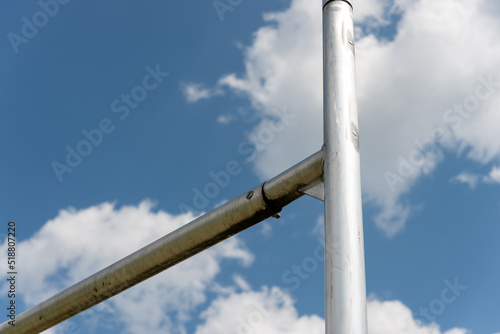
(227, 220)
(345, 288)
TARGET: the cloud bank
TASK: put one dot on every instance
(433, 86)
(77, 243)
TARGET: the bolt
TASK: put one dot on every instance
(250, 194)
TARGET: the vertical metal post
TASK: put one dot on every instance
(345, 288)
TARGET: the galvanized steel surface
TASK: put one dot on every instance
(344, 265)
(345, 289)
(351, 2)
(248, 209)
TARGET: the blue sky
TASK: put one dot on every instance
(155, 98)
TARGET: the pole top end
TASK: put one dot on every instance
(350, 2)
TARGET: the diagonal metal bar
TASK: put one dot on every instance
(244, 211)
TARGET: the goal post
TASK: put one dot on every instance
(345, 287)
(331, 174)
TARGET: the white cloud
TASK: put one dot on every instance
(494, 176)
(458, 331)
(269, 311)
(224, 119)
(393, 317)
(467, 178)
(77, 243)
(474, 179)
(272, 311)
(407, 88)
(368, 9)
(266, 229)
(318, 230)
(241, 283)
(193, 92)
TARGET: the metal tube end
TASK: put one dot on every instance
(350, 2)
